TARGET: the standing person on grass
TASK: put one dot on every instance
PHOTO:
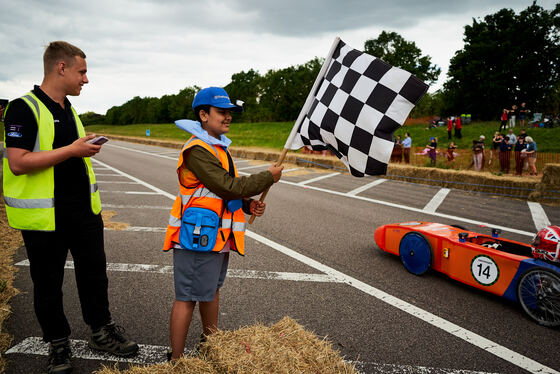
(207, 220)
(531, 155)
(432, 150)
(52, 196)
(407, 144)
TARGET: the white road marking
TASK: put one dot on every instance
(148, 354)
(380, 202)
(412, 209)
(233, 273)
(366, 187)
(106, 175)
(451, 328)
(117, 206)
(317, 179)
(115, 182)
(289, 170)
(254, 166)
(152, 354)
(436, 201)
(139, 151)
(539, 215)
(147, 185)
(131, 192)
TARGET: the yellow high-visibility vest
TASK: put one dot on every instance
(29, 197)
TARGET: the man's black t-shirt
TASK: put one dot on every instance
(71, 182)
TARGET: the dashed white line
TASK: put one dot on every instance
(152, 354)
(366, 187)
(254, 166)
(436, 201)
(539, 215)
(318, 178)
(233, 273)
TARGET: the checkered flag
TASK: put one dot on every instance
(355, 107)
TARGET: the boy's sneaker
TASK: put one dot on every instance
(112, 338)
(59, 357)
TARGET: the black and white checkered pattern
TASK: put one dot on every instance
(359, 104)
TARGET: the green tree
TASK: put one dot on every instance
(507, 59)
(395, 50)
(246, 86)
(284, 91)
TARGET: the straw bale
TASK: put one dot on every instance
(285, 347)
(547, 190)
(186, 365)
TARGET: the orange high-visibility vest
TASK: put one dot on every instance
(192, 193)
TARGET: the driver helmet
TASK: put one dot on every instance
(546, 244)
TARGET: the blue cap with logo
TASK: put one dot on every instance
(216, 97)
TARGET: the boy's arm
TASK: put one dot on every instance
(208, 169)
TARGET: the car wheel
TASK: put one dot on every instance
(416, 253)
(538, 292)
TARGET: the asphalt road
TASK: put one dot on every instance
(312, 257)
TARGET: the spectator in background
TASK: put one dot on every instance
(478, 153)
(512, 115)
(451, 154)
(458, 127)
(449, 127)
(523, 134)
(523, 113)
(511, 137)
(519, 155)
(396, 155)
(504, 120)
(432, 150)
(505, 151)
(531, 155)
(495, 147)
(407, 143)
(3, 104)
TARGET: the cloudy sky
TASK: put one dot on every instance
(156, 47)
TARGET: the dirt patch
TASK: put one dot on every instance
(116, 226)
(285, 347)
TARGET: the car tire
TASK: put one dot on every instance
(538, 292)
(415, 252)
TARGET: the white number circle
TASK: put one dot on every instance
(484, 270)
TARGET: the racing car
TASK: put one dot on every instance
(524, 273)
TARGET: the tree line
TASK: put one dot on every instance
(507, 59)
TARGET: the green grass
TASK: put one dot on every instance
(274, 134)
(263, 135)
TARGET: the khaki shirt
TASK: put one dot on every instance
(209, 171)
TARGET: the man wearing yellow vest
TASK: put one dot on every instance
(51, 196)
(207, 219)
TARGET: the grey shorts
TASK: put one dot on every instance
(198, 275)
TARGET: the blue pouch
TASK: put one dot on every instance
(199, 229)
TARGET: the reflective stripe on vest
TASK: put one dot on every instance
(30, 197)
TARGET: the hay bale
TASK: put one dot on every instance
(186, 365)
(547, 190)
(285, 347)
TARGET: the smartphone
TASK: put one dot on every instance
(98, 140)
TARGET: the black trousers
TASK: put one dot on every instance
(81, 232)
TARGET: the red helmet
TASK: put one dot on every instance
(546, 244)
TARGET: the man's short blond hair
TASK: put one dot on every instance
(60, 51)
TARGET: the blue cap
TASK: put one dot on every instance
(216, 97)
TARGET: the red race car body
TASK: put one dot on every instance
(488, 262)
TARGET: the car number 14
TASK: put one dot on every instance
(484, 270)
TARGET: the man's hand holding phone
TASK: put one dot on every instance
(98, 140)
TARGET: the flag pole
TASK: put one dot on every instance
(302, 113)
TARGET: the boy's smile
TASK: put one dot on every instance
(217, 122)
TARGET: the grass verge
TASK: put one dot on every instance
(10, 240)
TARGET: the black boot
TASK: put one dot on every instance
(59, 357)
